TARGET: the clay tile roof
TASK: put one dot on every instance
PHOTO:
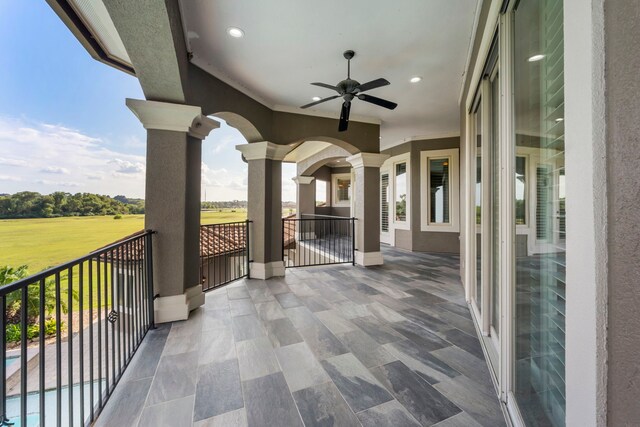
(215, 240)
(221, 239)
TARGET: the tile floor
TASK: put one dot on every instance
(324, 346)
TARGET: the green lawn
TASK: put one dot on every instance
(41, 243)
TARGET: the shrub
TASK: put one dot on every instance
(14, 334)
(117, 217)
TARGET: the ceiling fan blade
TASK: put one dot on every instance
(378, 101)
(344, 117)
(321, 101)
(373, 84)
(326, 86)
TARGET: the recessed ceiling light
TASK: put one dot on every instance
(415, 79)
(235, 32)
(316, 98)
(536, 58)
(560, 119)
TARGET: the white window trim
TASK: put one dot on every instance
(334, 190)
(389, 166)
(454, 200)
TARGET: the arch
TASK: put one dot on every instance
(244, 126)
(311, 164)
(351, 149)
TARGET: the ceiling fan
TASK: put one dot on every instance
(349, 89)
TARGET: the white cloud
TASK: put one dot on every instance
(126, 167)
(55, 170)
(11, 162)
(40, 150)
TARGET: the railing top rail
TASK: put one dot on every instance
(226, 223)
(19, 284)
(327, 216)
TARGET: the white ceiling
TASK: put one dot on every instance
(291, 43)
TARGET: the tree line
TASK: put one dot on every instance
(28, 204)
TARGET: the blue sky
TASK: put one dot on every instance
(64, 125)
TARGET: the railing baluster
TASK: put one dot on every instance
(23, 355)
(81, 338)
(41, 352)
(91, 367)
(3, 365)
(70, 342)
(58, 354)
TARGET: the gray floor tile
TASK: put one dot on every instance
(301, 317)
(241, 307)
(268, 402)
(300, 367)
(379, 331)
(175, 378)
(256, 358)
(390, 414)
(357, 385)
(218, 390)
(365, 348)
(270, 310)
(288, 300)
(178, 343)
(464, 341)
(468, 365)
(145, 362)
(126, 404)
(461, 420)
(281, 332)
(384, 313)
(217, 345)
(335, 322)
(470, 397)
(237, 418)
(261, 294)
(426, 339)
(175, 413)
(322, 342)
(426, 404)
(247, 327)
(237, 291)
(216, 319)
(323, 406)
(315, 303)
(428, 366)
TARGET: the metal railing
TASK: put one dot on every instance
(224, 253)
(79, 325)
(318, 240)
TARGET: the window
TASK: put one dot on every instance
(321, 193)
(384, 202)
(401, 192)
(521, 190)
(341, 189)
(439, 183)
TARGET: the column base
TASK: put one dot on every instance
(178, 307)
(266, 270)
(366, 259)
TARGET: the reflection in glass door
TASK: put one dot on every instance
(478, 205)
(494, 207)
(540, 269)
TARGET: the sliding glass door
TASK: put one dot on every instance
(538, 70)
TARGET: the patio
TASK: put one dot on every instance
(334, 345)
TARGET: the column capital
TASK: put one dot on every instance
(303, 179)
(264, 150)
(367, 160)
(173, 117)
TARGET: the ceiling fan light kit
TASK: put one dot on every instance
(349, 89)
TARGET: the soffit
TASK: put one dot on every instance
(289, 44)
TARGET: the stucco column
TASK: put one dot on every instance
(305, 195)
(265, 206)
(366, 194)
(172, 202)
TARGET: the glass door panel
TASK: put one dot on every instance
(478, 205)
(540, 269)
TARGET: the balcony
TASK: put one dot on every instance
(326, 345)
